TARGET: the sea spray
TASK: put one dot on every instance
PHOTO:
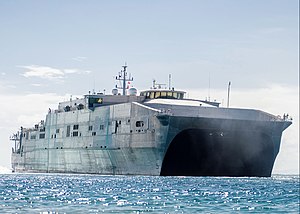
(4, 170)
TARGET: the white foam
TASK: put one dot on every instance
(4, 170)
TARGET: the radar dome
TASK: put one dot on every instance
(114, 91)
(132, 91)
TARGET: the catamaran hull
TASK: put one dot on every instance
(178, 145)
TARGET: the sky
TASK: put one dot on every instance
(50, 50)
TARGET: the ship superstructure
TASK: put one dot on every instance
(158, 132)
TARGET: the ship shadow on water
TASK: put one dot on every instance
(195, 152)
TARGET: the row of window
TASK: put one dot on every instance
(138, 124)
(163, 94)
(42, 135)
(101, 127)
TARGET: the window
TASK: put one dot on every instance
(42, 136)
(169, 94)
(42, 129)
(152, 95)
(175, 95)
(93, 133)
(68, 131)
(181, 96)
(75, 134)
(157, 94)
(101, 127)
(95, 101)
(90, 128)
(80, 106)
(67, 108)
(139, 123)
(75, 127)
(163, 94)
(57, 131)
(32, 137)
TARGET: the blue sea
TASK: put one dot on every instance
(61, 193)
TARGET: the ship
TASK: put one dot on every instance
(157, 132)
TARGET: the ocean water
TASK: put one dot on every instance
(61, 193)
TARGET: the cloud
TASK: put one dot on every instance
(75, 71)
(3, 73)
(79, 58)
(36, 84)
(45, 72)
(71, 71)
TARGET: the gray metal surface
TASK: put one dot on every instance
(130, 135)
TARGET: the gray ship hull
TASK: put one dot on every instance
(172, 140)
(221, 148)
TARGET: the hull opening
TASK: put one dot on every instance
(196, 152)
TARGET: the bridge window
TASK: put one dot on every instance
(95, 101)
(157, 94)
(163, 94)
(152, 95)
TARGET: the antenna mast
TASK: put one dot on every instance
(209, 86)
(122, 77)
(228, 93)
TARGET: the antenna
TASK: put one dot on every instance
(228, 93)
(153, 84)
(122, 77)
(94, 85)
(158, 85)
(169, 81)
(209, 86)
